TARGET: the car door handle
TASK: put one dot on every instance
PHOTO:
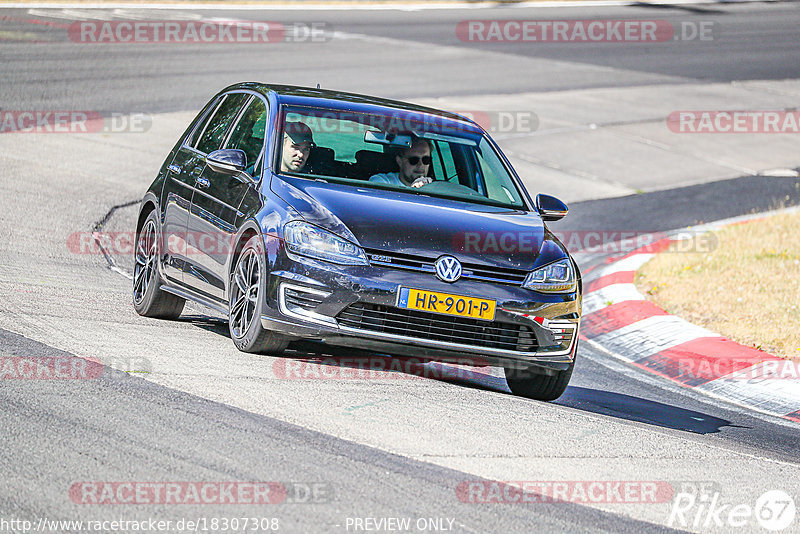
(203, 183)
(174, 168)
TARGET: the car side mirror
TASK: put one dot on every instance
(227, 161)
(550, 208)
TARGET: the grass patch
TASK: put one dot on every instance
(747, 288)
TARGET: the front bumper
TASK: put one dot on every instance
(330, 289)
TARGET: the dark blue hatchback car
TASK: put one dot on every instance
(360, 222)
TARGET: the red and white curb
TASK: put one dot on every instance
(620, 320)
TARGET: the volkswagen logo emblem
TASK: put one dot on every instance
(448, 268)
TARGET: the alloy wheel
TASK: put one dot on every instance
(146, 252)
(245, 290)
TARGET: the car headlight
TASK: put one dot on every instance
(557, 277)
(307, 240)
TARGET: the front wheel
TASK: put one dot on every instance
(149, 299)
(526, 382)
(246, 292)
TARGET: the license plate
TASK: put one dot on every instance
(433, 301)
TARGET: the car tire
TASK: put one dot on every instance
(149, 299)
(246, 301)
(526, 382)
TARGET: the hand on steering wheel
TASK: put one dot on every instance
(422, 180)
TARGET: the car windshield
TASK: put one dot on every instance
(394, 151)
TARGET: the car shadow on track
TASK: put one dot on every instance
(206, 322)
(641, 410)
(313, 360)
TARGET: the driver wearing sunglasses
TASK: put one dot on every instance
(413, 163)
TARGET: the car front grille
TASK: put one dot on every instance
(447, 328)
(469, 270)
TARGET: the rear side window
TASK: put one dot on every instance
(200, 125)
(219, 123)
(248, 134)
(345, 138)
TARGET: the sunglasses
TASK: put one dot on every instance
(413, 160)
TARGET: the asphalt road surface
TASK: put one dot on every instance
(176, 402)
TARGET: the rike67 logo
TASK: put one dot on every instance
(700, 506)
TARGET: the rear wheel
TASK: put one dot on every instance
(148, 298)
(527, 382)
(248, 280)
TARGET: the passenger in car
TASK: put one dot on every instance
(297, 143)
(413, 163)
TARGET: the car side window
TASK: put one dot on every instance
(444, 162)
(200, 124)
(258, 167)
(219, 123)
(248, 134)
(344, 137)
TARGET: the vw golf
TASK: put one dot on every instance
(359, 222)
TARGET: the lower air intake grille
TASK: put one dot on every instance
(426, 325)
(302, 299)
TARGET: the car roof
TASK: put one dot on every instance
(325, 98)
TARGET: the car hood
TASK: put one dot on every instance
(419, 225)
